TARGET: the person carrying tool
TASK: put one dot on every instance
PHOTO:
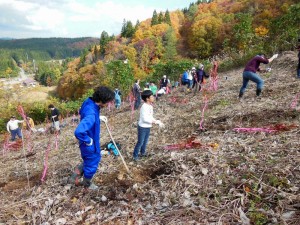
(88, 135)
(250, 73)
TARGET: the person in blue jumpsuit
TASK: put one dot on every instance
(88, 135)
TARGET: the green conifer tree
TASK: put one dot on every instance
(170, 41)
(123, 30)
(136, 25)
(104, 39)
(154, 20)
(129, 29)
(160, 18)
(167, 18)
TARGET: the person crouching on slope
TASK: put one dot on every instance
(144, 125)
(250, 73)
(88, 134)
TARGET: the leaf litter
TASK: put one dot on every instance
(214, 176)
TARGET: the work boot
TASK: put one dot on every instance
(77, 174)
(241, 94)
(258, 92)
(89, 185)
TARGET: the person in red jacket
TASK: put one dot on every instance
(250, 73)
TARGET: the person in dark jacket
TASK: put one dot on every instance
(136, 91)
(88, 135)
(199, 77)
(250, 73)
(55, 117)
(164, 82)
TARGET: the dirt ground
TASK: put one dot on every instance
(214, 175)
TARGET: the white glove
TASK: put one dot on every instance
(275, 56)
(103, 118)
(268, 69)
(159, 123)
(91, 143)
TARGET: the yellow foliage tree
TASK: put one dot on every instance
(159, 29)
(203, 34)
(113, 51)
(261, 31)
(130, 54)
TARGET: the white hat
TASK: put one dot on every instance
(164, 76)
(201, 65)
(193, 68)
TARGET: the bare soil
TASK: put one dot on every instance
(214, 175)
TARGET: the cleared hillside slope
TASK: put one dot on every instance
(226, 177)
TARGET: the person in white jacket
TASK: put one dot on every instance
(144, 125)
(13, 128)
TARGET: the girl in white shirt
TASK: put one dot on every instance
(144, 125)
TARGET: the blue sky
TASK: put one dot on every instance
(76, 18)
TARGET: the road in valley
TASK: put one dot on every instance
(15, 80)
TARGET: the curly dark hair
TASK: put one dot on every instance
(103, 94)
(146, 94)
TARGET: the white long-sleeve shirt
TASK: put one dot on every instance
(13, 124)
(146, 116)
(190, 76)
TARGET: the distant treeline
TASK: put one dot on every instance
(18, 51)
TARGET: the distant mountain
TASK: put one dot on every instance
(52, 47)
(5, 38)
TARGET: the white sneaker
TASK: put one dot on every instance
(93, 187)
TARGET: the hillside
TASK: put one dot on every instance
(44, 48)
(225, 177)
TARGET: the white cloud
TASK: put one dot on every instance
(46, 19)
(71, 18)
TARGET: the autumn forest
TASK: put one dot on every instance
(170, 42)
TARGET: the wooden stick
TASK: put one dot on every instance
(117, 148)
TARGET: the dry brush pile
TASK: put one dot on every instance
(216, 175)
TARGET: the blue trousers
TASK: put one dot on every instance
(14, 133)
(298, 72)
(141, 145)
(91, 159)
(248, 75)
(117, 103)
(137, 102)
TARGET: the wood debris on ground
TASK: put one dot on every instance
(237, 178)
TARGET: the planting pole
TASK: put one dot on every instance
(26, 167)
(117, 148)
(22, 113)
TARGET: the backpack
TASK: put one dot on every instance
(111, 148)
